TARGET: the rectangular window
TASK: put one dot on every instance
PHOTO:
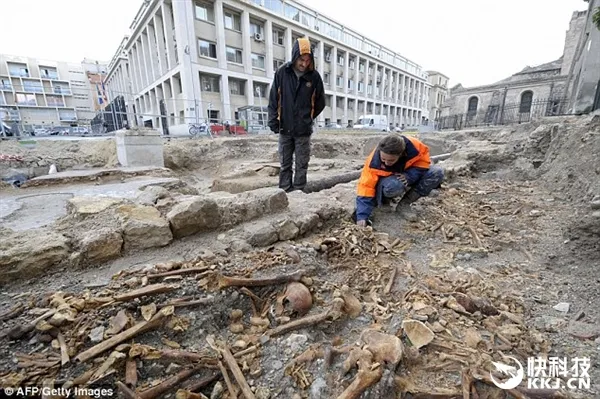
(5, 84)
(361, 67)
(236, 87)
(234, 55)
(370, 89)
(361, 87)
(67, 115)
(207, 49)
(258, 61)
(278, 37)
(351, 65)
(32, 86)
(326, 78)
(292, 12)
(340, 59)
(277, 64)
(256, 28)
(260, 90)
(274, 5)
(205, 12)
(48, 73)
(232, 20)
(350, 84)
(26, 99)
(18, 70)
(210, 83)
(339, 81)
(55, 101)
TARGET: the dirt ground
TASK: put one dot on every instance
(495, 250)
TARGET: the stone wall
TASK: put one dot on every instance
(584, 79)
(576, 28)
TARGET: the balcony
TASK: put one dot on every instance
(8, 114)
(61, 90)
(48, 73)
(31, 88)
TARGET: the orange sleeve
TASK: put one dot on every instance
(423, 160)
(368, 180)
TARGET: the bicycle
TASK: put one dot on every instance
(197, 128)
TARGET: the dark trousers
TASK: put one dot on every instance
(291, 147)
(391, 187)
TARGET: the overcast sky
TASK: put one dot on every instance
(473, 42)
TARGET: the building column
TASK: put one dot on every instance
(250, 91)
(383, 82)
(288, 42)
(269, 46)
(375, 66)
(159, 36)
(356, 77)
(220, 25)
(346, 73)
(146, 63)
(397, 88)
(345, 117)
(225, 98)
(168, 31)
(139, 57)
(334, 69)
(188, 55)
(151, 36)
(246, 41)
(321, 50)
(355, 110)
(366, 82)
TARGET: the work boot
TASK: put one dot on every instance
(404, 208)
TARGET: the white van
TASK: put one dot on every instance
(372, 122)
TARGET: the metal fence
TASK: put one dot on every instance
(507, 114)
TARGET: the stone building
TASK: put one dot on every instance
(437, 96)
(584, 75)
(544, 84)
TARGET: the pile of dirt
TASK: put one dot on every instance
(297, 320)
(561, 153)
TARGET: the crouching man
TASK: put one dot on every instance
(400, 167)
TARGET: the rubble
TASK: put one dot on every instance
(422, 310)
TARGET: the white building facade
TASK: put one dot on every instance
(37, 94)
(188, 60)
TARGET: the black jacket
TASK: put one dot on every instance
(295, 103)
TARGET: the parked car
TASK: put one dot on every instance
(79, 130)
(372, 122)
(332, 126)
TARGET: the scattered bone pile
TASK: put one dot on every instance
(435, 337)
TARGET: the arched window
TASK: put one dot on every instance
(526, 100)
(473, 103)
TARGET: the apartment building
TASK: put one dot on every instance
(439, 91)
(206, 59)
(40, 94)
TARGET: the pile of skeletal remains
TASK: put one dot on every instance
(436, 336)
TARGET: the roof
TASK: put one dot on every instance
(555, 65)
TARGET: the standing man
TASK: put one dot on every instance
(297, 97)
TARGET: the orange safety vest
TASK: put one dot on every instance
(416, 155)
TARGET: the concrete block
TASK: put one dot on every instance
(143, 147)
